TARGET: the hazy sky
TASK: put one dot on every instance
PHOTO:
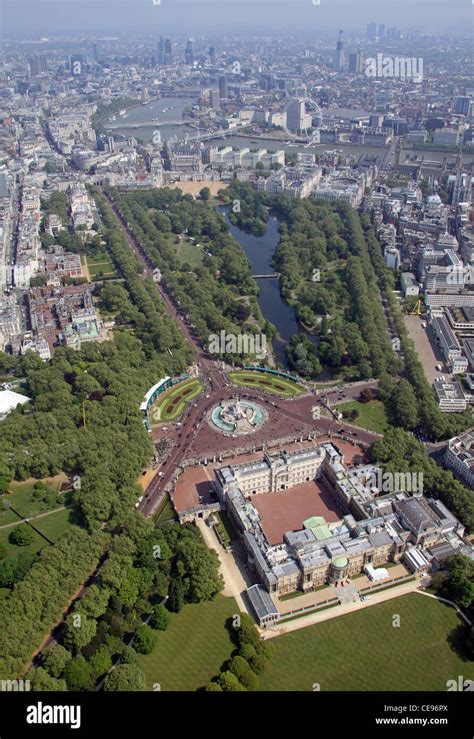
(40, 17)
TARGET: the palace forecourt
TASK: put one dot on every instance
(313, 516)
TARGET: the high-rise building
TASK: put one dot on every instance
(355, 62)
(161, 50)
(371, 31)
(189, 53)
(38, 64)
(223, 87)
(215, 99)
(376, 120)
(462, 105)
(212, 54)
(297, 118)
(339, 58)
(168, 52)
(381, 30)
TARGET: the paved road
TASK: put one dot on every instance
(298, 410)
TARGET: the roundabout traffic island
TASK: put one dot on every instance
(237, 417)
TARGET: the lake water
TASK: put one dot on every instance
(260, 250)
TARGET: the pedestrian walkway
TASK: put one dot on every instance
(341, 610)
(449, 602)
(235, 581)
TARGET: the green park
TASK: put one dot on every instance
(170, 406)
(273, 384)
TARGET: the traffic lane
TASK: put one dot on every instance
(325, 425)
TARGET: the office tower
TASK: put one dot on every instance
(393, 34)
(296, 117)
(168, 52)
(371, 31)
(375, 120)
(215, 99)
(188, 53)
(266, 82)
(96, 51)
(462, 105)
(38, 64)
(223, 87)
(355, 62)
(381, 31)
(161, 50)
(212, 54)
(339, 61)
(111, 144)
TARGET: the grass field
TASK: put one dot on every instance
(53, 526)
(189, 253)
(165, 511)
(100, 263)
(22, 500)
(371, 416)
(363, 651)
(172, 403)
(269, 383)
(192, 649)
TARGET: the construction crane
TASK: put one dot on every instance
(417, 310)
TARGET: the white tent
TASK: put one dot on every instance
(9, 400)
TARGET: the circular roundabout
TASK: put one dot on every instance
(237, 417)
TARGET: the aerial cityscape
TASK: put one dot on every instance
(236, 349)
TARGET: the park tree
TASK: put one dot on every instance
(100, 663)
(144, 639)
(201, 567)
(79, 631)
(175, 600)
(22, 535)
(129, 656)
(56, 659)
(125, 678)
(461, 580)
(78, 674)
(42, 681)
(228, 682)
(160, 618)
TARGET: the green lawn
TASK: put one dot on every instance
(100, 263)
(193, 648)
(172, 403)
(190, 254)
(22, 500)
(269, 383)
(165, 511)
(226, 527)
(52, 526)
(371, 416)
(363, 651)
